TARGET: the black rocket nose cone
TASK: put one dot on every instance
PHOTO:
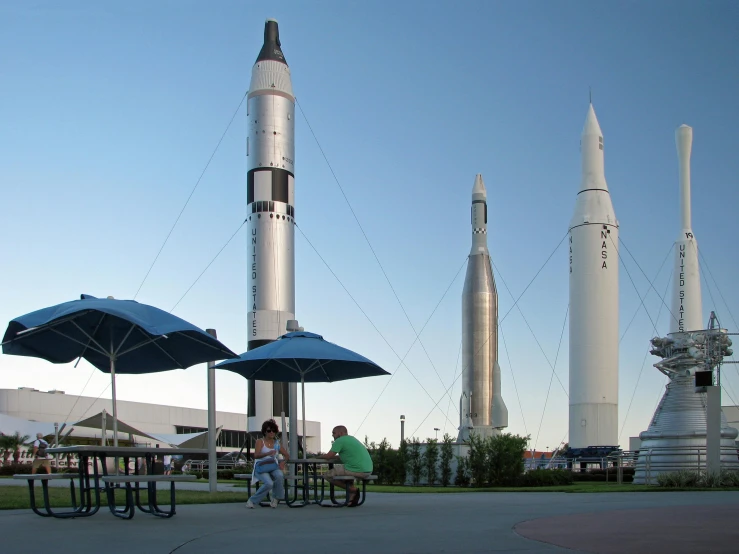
(271, 49)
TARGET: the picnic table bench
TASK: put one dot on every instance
(133, 493)
(83, 510)
(348, 480)
(92, 475)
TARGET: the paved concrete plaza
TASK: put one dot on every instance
(472, 522)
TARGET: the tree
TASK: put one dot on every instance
(13, 443)
(5, 447)
(477, 460)
(414, 465)
(462, 477)
(381, 460)
(505, 458)
(430, 457)
(402, 462)
(447, 454)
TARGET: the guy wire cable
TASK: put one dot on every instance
(190, 196)
(366, 238)
(402, 360)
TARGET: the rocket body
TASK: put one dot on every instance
(482, 408)
(270, 151)
(593, 244)
(686, 289)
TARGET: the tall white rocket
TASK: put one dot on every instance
(270, 179)
(593, 301)
(686, 287)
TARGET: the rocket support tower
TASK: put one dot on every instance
(270, 182)
(482, 409)
(593, 301)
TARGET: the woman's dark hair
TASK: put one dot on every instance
(269, 425)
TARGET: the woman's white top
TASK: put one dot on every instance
(254, 475)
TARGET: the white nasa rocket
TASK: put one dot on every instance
(270, 182)
(686, 288)
(482, 409)
(593, 245)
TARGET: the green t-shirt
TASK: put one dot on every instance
(353, 454)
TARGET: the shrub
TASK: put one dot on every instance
(447, 453)
(505, 458)
(388, 464)
(711, 479)
(730, 478)
(600, 474)
(477, 460)
(698, 479)
(224, 474)
(414, 463)
(381, 462)
(430, 457)
(462, 478)
(545, 478)
(497, 460)
(679, 479)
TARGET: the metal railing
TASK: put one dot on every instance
(202, 465)
(667, 459)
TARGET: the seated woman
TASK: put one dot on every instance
(266, 467)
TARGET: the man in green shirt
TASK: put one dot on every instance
(355, 461)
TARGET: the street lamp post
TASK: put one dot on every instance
(437, 432)
(402, 429)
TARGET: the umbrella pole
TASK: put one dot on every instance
(115, 409)
(302, 386)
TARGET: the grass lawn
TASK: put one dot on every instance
(576, 487)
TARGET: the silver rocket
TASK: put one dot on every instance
(270, 183)
(593, 301)
(481, 406)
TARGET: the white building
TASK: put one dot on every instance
(58, 407)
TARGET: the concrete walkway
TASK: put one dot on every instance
(413, 523)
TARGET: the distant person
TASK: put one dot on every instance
(267, 468)
(141, 463)
(167, 464)
(40, 457)
(355, 461)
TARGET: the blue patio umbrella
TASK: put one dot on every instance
(302, 357)
(121, 336)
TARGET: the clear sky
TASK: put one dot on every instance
(110, 111)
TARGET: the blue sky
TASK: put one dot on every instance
(111, 111)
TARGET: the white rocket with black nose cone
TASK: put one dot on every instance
(686, 288)
(270, 182)
(593, 301)
(482, 409)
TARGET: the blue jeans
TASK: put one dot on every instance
(269, 480)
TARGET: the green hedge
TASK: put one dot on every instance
(698, 479)
(600, 475)
(223, 474)
(545, 478)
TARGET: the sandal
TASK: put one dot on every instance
(354, 498)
